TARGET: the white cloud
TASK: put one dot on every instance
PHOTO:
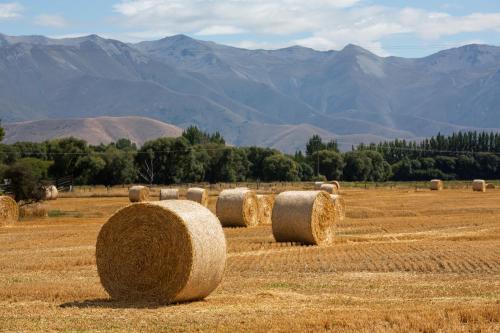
(326, 24)
(10, 10)
(219, 30)
(51, 21)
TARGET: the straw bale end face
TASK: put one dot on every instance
(266, 203)
(238, 208)
(306, 217)
(479, 185)
(138, 194)
(9, 211)
(164, 252)
(437, 185)
(198, 195)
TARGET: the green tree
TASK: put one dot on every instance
(314, 144)
(358, 166)
(88, 169)
(119, 166)
(228, 165)
(281, 168)
(2, 132)
(256, 157)
(306, 172)
(27, 179)
(331, 163)
(65, 154)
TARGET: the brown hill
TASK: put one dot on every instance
(93, 130)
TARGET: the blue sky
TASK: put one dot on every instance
(402, 28)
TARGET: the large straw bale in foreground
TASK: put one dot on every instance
(164, 251)
(199, 195)
(317, 185)
(51, 193)
(9, 211)
(437, 185)
(329, 188)
(266, 203)
(169, 194)
(238, 208)
(138, 194)
(479, 185)
(340, 206)
(306, 217)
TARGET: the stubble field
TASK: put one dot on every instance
(403, 260)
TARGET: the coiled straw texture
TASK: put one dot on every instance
(306, 217)
(266, 204)
(238, 208)
(340, 206)
(9, 211)
(199, 195)
(138, 194)
(164, 252)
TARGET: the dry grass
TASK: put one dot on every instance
(403, 260)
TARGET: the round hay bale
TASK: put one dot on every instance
(35, 210)
(164, 251)
(169, 194)
(199, 195)
(340, 206)
(317, 186)
(266, 203)
(490, 186)
(138, 194)
(51, 193)
(479, 185)
(9, 211)
(337, 184)
(306, 217)
(238, 208)
(329, 188)
(437, 185)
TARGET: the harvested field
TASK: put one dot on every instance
(403, 260)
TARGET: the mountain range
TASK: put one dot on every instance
(93, 130)
(274, 98)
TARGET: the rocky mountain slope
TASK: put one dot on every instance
(261, 97)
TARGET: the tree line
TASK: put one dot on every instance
(198, 156)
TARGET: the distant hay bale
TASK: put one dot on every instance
(266, 203)
(169, 194)
(317, 185)
(237, 208)
(479, 185)
(337, 184)
(164, 251)
(51, 193)
(329, 188)
(9, 211)
(199, 195)
(306, 217)
(490, 186)
(138, 194)
(33, 210)
(340, 206)
(437, 185)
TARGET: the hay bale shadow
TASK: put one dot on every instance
(107, 303)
